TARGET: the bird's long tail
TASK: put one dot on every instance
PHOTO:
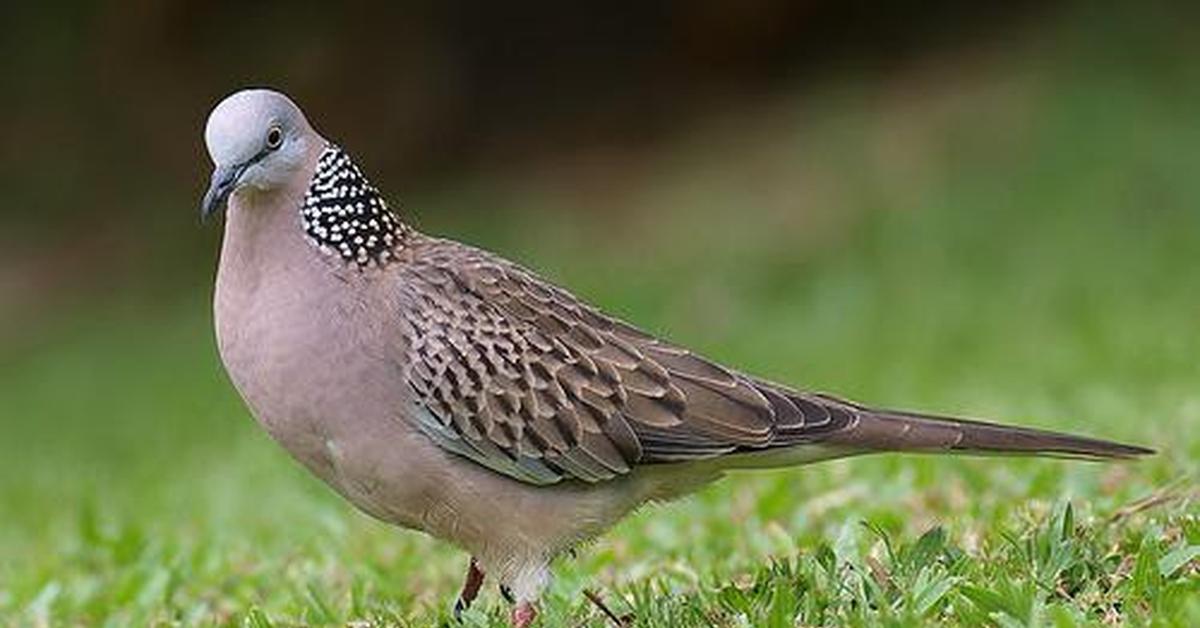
(868, 429)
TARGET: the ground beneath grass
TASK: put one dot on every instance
(1003, 238)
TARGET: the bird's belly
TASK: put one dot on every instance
(344, 415)
(380, 462)
(395, 473)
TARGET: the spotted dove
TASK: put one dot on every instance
(442, 388)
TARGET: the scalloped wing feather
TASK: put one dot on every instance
(506, 365)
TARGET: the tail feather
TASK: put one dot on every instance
(877, 430)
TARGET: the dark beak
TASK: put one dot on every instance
(224, 181)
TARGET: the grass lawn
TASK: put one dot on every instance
(1014, 240)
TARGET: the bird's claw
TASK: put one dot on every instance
(620, 621)
(523, 615)
(470, 590)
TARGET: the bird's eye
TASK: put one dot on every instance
(274, 137)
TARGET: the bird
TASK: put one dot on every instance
(445, 389)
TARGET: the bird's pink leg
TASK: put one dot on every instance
(470, 589)
(523, 615)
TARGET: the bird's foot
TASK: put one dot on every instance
(523, 615)
(620, 621)
(470, 589)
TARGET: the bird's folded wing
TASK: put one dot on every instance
(522, 377)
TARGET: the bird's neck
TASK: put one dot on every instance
(344, 216)
(330, 227)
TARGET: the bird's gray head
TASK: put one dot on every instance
(257, 139)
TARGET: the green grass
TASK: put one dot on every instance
(1013, 240)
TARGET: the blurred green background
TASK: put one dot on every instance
(994, 213)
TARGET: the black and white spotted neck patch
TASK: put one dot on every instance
(344, 215)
